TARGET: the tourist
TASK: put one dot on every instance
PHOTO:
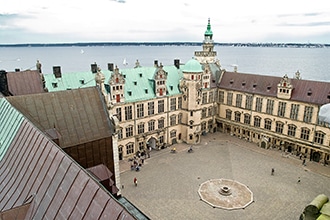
(135, 181)
(273, 171)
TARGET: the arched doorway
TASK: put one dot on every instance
(316, 156)
(290, 149)
(263, 144)
(151, 143)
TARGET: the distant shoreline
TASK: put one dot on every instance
(280, 45)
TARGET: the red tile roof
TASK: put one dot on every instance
(267, 86)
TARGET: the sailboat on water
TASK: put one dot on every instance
(125, 63)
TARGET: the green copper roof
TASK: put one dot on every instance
(139, 82)
(10, 122)
(69, 81)
(208, 31)
(192, 66)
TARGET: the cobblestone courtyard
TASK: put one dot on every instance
(168, 183)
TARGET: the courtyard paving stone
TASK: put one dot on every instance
(168, 183)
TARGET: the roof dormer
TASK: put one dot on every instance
(284, 88)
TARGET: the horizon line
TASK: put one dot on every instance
(157, 43)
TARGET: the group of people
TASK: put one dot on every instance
(138, 160)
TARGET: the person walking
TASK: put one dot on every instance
(135, 181)
(273, 171)
(298, 180)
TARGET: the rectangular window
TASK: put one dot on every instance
(140, 128)
(319, 137)
(129, 131)
(294, 111)
(204, 113)
(270, 106)
(139, 109)
(247, 119)
(118, 112)
(160, 123)
(228, 114)
(204, 98)
(173, 104)
(229, 98)
(179, 102)
(248, 102)
(172, 120)
(180, 118)
(160, 106)
(128, 113)
(305, 134)
(257, 121)
(141, 146)
(268, 124)
(161, 139)
(308, 114)
(259, 104)
(292, 130)
(281, 109)
(151, 125)
(237, 116)
(151, 108)
(129, 148)
(211, 99)
(239, 100)
(279, 127)
(221, 96)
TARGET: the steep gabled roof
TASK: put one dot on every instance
(78, 115)
(35, 171)
(25, 82)
(303, 90)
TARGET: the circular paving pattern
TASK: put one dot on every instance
(225, 194)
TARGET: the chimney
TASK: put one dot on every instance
(94, 68)
(57, 71)
(110, 66)
(4, 83)
(177, 63)
(155, 63)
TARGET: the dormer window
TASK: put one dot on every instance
(129, 93)
(146, 91)
(231, 81)
(54, 84)
(309, 92)
(135, 83)
(254, 85)
(117, 80)
(328, 96)
(82, 81)
(140, 74)
(171, 87)
(243, 83)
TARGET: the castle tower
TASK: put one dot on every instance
(191, 86)
(208, 55)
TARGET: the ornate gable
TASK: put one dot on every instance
(284, 88)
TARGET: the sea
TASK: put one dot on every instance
(312, 63)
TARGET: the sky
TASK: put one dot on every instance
(232, 21)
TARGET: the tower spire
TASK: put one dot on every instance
(208, 33)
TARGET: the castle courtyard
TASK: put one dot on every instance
(168, 183)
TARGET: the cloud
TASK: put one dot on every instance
(149, 20)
